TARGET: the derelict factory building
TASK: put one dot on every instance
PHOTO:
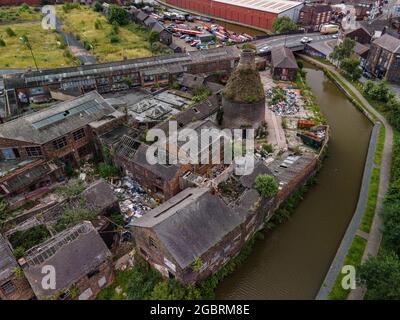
(256, 13)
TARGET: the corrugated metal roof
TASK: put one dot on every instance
(273, 6)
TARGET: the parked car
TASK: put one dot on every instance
(211, 43)
(335, 36)
(183, 36)
(177, 34)
(305, 40)
(200, 45)
(195, 43)
(189, 39)
(189, 19)
(264, 50)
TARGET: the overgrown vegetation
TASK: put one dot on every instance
(109, 38)
(283, 25)
(244, 84)
(144, 283)
(266, 185)
(200, 94)
(107, 170)
(380, 273)
(73, 216)
(19, 14)
(287, 208)
(72, 189)
(22, 241)
(381, 97)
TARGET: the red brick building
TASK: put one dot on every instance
(313, 16)
(258, 14)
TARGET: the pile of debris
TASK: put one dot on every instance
(133, 200)
(287, 106)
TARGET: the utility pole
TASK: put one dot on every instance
(25, 41)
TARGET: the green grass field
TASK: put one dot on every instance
(82, 21)
(17, 14)
(44, 46)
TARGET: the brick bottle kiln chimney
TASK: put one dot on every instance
(243, 98)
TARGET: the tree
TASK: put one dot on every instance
(379, 91)
(351, 67)
(381, 275)
(168, 290)
(283, 24)
(249, 46)
(394, 114)
(98, 7)
(10, 32)
(266, 185)
(391, 225)
(343, 50)
(117, 14)
(3, 209)
(154, 37)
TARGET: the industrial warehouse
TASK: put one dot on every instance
(255, 13)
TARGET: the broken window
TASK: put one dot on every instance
(60, 143)
(8, 287)
(84, 151)
(33, 151)
(79, 134)
(93, 273)
(152, 242)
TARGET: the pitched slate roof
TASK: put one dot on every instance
(7, 260)
(389, 43)
(99, 195)
(283, 57)
(73, 253)
(51, 123)
(191, 223)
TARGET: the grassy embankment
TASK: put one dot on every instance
(23, 20)
(93, 30)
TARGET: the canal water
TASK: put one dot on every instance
(293, 259)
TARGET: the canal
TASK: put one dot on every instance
(293, 259)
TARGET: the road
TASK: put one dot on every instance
(291, 41)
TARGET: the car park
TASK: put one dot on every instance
(195, 43)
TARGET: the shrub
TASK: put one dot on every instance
(106, 170)
(72, 189)
(266, 185)
(98, 7)
(10, 32)
(2, 43)
(118, 15)
(73, 216)
(26, 239)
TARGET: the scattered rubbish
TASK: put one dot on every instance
(133, 200)
(287, 106)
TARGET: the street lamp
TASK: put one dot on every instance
(25, 41)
